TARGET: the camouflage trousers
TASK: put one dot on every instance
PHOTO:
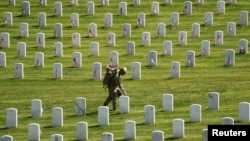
(111, 97)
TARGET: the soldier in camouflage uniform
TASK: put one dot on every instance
(115, 88)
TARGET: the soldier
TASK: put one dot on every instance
(113, 82)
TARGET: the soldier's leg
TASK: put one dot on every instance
(114, 100)
(108, 99)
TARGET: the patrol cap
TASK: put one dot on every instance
(123, 70)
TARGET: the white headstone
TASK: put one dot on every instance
(58, 30)
(106, 136)
(178, 128)
(80, 106)
(187, 10)
(74, 2)
(182, 38)
(96, 71)
(243, 46)
(205, 48)
(42, 2)
(57, 71)
(200, 2)
(130, 130)
(155, 9)
(5, 40)
(136, 2)
(36, 108)
(94, 48)
(227, 121)
(11, 2)
(161, 30)
(24, 30)
(18, 71)
(104, 2)
(136, 71)
(195, 113)
(208, 20)
(92, 30)
(244, 111)
(77, 59)
(149, 114)
(42, 19)
(204, 134)
(122, 8)
(76, 40)
(11, 118)
(229, 57)
(124, 104)
(168, 102)
(146, 39)
(56, 137)
(175, 69)
(213, 101)
(25, 8)
(218, 37)
(58, 12)
(220, 7)
(6, 138)
(8, 21)
(39, 59)
(130, 48)
(34, 132)
(141, 20)
(58, 49)
(168, 2)
(108, 20)
(157, 135)
(103, 116)
(57, 117)
(174, 18)
(126, 30)
(231, 29)
(152, 58)
(90, 8)
(111, 39)
(195, 30)
(114, 58)
(244, 18)
(82, 131)
(2, 59)
(167, 48)
(40, 40)
(190, 58)
(74, 20)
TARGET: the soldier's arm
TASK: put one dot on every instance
(122, 89)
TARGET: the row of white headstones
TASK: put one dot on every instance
(111, 37)
(141, 22)
(122, 6)
(106, 2)
(109, 17)
(124, 108)
(114, 59)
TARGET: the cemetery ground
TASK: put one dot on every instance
(208, 75)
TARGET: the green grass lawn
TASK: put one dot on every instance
(208, 75)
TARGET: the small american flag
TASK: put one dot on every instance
(218, 39)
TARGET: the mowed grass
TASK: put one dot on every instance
(208, 75)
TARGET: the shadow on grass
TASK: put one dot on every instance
(48, 126)
(140, 124)
(123, 140)
(4, 128)
(19, 15)
(171, 138)
(95, 126)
